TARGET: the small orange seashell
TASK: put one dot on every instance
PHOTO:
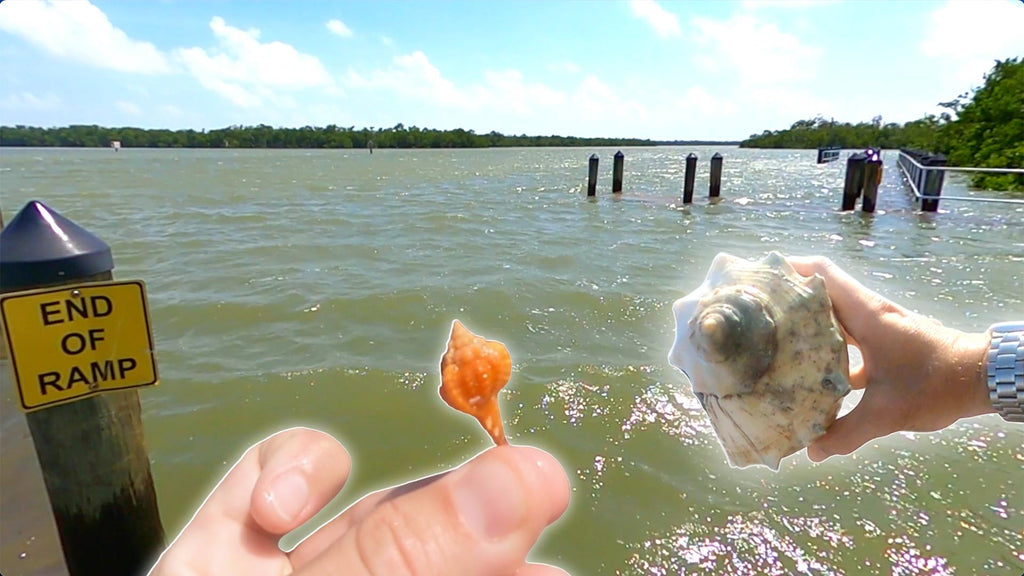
(473, 371)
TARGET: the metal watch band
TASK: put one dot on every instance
(1005, 367)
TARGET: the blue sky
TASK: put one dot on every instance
(639, 68)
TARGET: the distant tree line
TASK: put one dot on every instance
(263, 136)
(988, 131)
(819, 132)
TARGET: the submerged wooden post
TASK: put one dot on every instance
(91, 450)
(854, 179)
(689, 178)
(592, 176)
(932, 182)
(715, 187)
(617, 171)
(872, 178)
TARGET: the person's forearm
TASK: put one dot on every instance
(969, 372)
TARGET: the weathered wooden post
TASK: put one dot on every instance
(872, 178)
(79, 345)
(617, 171)
(592, 176)
(854, 180)
(689, 178)
(932, 182)
(715, 187)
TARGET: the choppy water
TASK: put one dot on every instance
(317, 288)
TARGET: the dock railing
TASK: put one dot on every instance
(925, 172)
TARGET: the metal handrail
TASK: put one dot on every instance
(919, 196)
(963, 168)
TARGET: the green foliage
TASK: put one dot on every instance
(819, 132)
(263, 136)
(988, 131)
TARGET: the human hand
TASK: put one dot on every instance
(918, 375)
(480, 518)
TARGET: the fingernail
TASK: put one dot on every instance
(489, 498)
(288, 495)
(815, 454)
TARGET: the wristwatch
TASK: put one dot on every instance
(1005, 368)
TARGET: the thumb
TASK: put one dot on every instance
(861, 425)
(481, 518)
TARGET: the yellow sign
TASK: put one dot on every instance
(75, 341)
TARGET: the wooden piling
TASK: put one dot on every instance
(617, 171)
(872, 178)
(715, 186)
(689, 178)
(854, 181)
(592, 176)
(91, 450)
(932, 182)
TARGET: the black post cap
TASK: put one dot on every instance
(691, 155)
(593, 156)
(619, 154)
(39, 247)
(717, 155)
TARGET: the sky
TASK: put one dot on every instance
(683, 70)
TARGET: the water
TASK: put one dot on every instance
(317, 288)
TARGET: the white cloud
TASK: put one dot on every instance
(664, 22)
(29, 101)
(758, 52)
(566, 67)
(785, 102)
(755, 4)
(387, 41)
(171, 111)
(595, 97)
(248, 72)
(129, 108)
(338, 27)
(78, 31)
(970, 36)
(413, 75)
(698, 100)
(506, 91)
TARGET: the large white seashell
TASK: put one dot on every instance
(765, 356)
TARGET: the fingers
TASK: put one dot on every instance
(275, 486)
(329, 533)
(281, 482)
(858, 377)
(481, 518)
(867, 421)
(855, 306)
(540, 570)
(301, 470)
